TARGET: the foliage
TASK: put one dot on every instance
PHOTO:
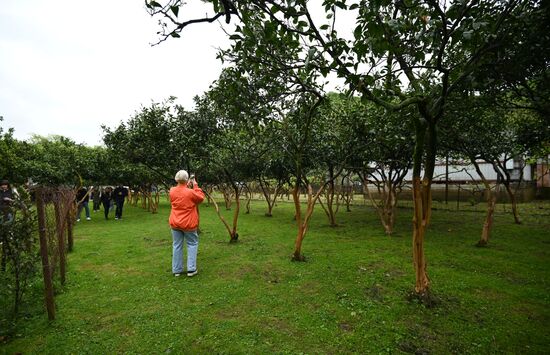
(146, 140)
(518, 75)
(20, 257)
(13, 157)
(56, 160)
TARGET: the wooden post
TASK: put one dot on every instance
(458, 198)
(60, 231)
(46, 270)
(446, 179)
(69, 230)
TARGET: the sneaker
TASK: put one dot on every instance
(116, 217)
(78, 220)
(88, 219)
(192, 273)
(177, 275)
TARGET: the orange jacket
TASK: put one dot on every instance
(184, 215)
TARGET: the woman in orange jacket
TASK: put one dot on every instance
(184, 221)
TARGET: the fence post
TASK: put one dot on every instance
(458, 198)
(46, 270)
(69, 230)
(60, 229)
(446, 179)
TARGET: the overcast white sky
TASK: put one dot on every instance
(68, 66)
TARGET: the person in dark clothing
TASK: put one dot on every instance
(96, 192)
(120, 194)
(6, 199)
(82, 199)
(106, 200)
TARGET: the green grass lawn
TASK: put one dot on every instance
(349, 297)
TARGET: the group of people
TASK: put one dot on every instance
(107, 197)
(183, 220)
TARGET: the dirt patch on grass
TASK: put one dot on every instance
(345, 327)
(375, 293)
(427, 299)
(238, 272)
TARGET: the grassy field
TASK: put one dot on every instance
(349, 297)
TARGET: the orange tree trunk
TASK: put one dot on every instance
(425, 150)
(488, 224)
(304, 223)
(297, 255)
(419, 229)
(491, 202)
(514, 203)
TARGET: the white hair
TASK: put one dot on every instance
(181, 176)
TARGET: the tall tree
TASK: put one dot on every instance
(385, 156)
(147, 139)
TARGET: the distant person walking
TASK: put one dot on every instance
(6, 216)
(82, 199)
(107, 200)
(184, 221)
(6, 200)
(119, 195)
(96, 193)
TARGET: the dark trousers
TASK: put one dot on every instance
(119, 205)
(97, 203)
(106, 207)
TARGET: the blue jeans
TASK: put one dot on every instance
(85, 206)
(192, 241)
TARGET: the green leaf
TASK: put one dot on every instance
(175, 35)
(358, 31)
(155, 4)
(175, 10)
(324, 27)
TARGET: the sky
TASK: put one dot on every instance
(67, 67)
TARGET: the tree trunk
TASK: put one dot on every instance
(491, 202)
(226, 197)
(425, 134)
(248, 198)
(420, 195)
(266, 190)
(303, 224)
(513, 201)
(330, 202)
(488, 224)
(297, 255)
(234, 234)
(387, 205)
(231, 235)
